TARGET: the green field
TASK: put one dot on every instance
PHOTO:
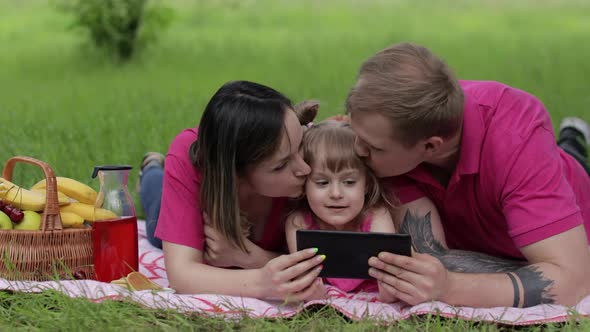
(66, 104)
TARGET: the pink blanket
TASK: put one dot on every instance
(355, 306)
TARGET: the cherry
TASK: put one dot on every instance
(79, 275)
(16, 215)
(8, 209)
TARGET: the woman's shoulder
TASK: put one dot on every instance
(181, 143)
(178, 161)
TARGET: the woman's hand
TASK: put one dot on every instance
(292, 277)
(220, 252)
(416, 279)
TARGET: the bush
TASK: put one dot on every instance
(119, 26)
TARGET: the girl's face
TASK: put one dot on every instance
(283, 174)
(336, 198)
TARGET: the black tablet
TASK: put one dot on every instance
(348, 253)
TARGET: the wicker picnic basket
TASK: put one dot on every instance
(51, 252)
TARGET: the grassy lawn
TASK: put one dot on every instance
(72, 107)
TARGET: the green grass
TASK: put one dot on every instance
(51, 311)
(73, 108)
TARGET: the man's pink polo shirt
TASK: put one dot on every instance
(513, 185)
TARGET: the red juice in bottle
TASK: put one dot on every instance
(115, 247)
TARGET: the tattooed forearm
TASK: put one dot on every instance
(534, 284)
(420, 228)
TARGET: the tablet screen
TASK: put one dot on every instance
(348, 253)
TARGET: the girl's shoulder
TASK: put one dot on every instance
(378, 219)
(298, 220)
(378, 212)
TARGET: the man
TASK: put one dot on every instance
(482, 155)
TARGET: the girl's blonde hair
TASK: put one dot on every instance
(331, 144)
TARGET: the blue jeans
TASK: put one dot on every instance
(572, 142)
(150, 193)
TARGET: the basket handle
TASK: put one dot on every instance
(50, 219)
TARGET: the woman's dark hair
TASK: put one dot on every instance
(242, 125)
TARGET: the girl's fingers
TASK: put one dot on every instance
(286, 261)
(211, 233)
(307, 292)
(206, 219)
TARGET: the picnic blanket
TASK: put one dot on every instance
(354, 306)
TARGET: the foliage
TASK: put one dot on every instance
(119, 26)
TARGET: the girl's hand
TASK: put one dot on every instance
(318, 291)
(221, 252)
(291, 277)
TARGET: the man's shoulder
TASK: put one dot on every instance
(485, 92)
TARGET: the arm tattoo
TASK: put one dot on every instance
(420, 228)
(516, 302)
(535, 284)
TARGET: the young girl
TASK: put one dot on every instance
(342, 194)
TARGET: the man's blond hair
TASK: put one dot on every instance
(412, 87)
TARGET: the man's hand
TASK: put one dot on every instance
(384, 295)
(414, 280)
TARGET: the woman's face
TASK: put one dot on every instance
(284, 173)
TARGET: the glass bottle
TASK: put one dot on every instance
(114, 236)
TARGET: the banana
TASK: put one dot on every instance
(61, 197)
(72, 188)
(69, 219)
(20, 197)
(121, 282)
(88, 212)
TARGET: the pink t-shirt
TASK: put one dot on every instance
(348, 285)
(513, 185)
(181, 219)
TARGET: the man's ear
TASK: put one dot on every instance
(306, 111)
(432, 145)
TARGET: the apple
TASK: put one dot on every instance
(30, 222)
(5, 222)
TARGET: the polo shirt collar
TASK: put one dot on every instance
(472, 136)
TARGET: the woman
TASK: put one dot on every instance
(224, 193)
